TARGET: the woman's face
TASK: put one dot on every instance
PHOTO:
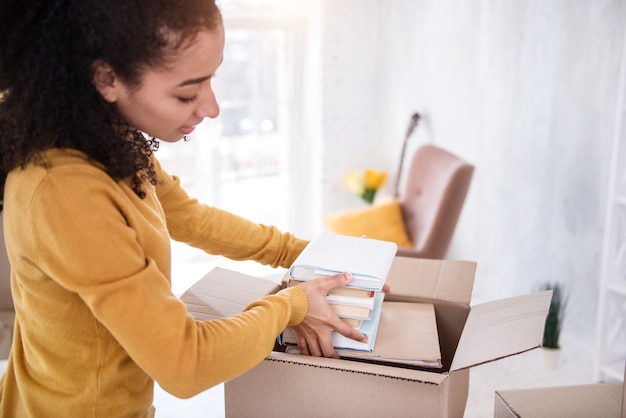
(170, 101)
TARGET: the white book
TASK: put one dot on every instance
(369, 260)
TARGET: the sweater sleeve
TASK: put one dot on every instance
(87, 238)
(220, 232)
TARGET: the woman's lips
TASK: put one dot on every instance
(187, 131)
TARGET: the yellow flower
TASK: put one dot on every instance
(375, 179)
(365, 184)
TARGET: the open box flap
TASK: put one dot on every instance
(501, 328)
(222, 293)
(425, 279)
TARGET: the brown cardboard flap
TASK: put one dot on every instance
(222, 293)
(418, 278)
(407, 334)
(595, 400)
(501, 328)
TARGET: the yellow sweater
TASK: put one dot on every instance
(96, 322)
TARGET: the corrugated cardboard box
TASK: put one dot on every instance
(601, 400)
(287, 385)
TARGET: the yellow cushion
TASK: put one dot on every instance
(381, 221)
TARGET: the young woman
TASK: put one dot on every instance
(89, 212)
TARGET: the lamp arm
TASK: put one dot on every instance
(415, 117)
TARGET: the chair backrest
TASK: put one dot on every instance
(436, 186)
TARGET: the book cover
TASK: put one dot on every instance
(369, 260)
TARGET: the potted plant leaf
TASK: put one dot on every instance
(554, 325)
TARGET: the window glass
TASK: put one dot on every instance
(238, 161)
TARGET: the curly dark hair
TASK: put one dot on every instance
(47, 98)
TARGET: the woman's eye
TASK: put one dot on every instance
(186, 99)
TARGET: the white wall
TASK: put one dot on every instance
(525, 90)
(351, 84)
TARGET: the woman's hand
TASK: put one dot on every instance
(313, 333)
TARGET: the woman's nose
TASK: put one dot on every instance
(208, 106)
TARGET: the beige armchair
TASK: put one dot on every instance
(436, 185)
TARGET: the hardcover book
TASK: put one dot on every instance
(369, 260)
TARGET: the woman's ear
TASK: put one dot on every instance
(105, 80)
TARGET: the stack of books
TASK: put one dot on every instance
(351, 304)
(365, 319)
(359, 304)
(406, 332)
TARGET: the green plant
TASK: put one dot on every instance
(556, 313)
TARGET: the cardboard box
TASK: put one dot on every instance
(624, 395)
(602, 400)
(287, 385)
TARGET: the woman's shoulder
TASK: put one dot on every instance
(59, 162)
(60, 158)
(64, 171)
